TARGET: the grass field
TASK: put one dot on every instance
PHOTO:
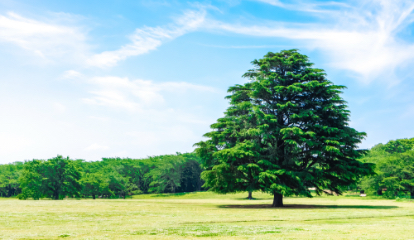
(207, 215)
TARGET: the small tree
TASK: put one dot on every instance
(94, 184)
(286, 130)
(118, 184)
(166, 175)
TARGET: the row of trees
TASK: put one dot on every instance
(394, 169)
(59, 177)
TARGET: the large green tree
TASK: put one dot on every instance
(286, 131)
(54, 178)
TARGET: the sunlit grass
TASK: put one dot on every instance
(207, 215)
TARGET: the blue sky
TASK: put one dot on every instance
(93, 79)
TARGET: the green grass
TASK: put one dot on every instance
(206, 215)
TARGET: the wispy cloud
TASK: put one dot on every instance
(135, 94)
(307, 6)
(150, 38)
(364, 39)
(45, 39)
(64, 42)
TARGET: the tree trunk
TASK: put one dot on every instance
(379, 192)
(8, 188)
(56, 195)
(93, 196)
(277, 200)
(412, 195)
(250, 195)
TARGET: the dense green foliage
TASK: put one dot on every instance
(9, 179)
(54, 178)
(59, 177)
(394, 169)
(397, 146)
(286, 131)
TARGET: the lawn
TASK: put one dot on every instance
(207, 215)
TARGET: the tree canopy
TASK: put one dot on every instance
(9, 179)
(54, 178)
(394, 169)
(286, 130)
(399, 145)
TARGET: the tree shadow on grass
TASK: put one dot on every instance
(305, 206)
(253, 198)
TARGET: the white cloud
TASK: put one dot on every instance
(44, 39)
(149, 38)
(242, 46)
(363, 39)
(135, 94)
(95, 147)
(307, 6)
(65, 43)
(72, 74)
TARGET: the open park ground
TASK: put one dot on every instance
(209, 216)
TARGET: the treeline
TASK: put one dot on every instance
(394, 169)
(59, 177)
